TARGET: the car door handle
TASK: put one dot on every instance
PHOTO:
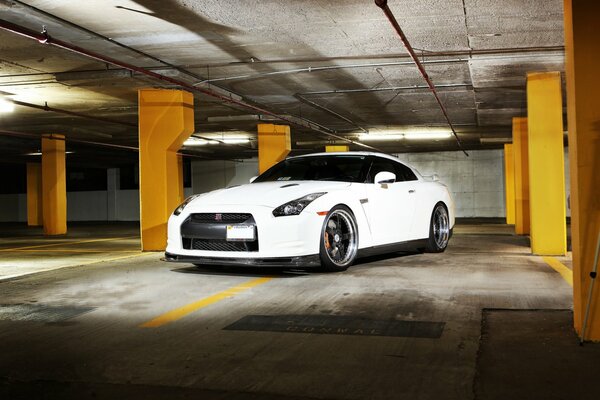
(411, 191)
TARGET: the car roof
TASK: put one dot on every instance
(349, 153)
(361, 153)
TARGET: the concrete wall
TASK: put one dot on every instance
(211, 175)
(476, 182)
(13, 207)
(81, 206)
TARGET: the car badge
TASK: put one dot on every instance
(218, 217)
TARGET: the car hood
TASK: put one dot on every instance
(270, 194)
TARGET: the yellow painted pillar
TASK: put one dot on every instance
(546, 164)
(274, 144)
(583, 103)
(54, 185)
(34, 195)
(166, 120)
(521, 163)
(509, 183)
(335, 149)
(180, 179)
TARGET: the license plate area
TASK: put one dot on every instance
(241, 233)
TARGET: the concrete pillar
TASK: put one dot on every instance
(335, 149)
(509, 183)
(582, 65)
(34, 195)
(181, 192)
(54, 185)
(546, 164)
(521, 158)
(166, 120)
(112, 189)
(274, 144)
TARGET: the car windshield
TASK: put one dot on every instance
(343, 168)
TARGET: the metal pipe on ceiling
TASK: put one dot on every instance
(385, 89)
(452, 53)
(106, 38)
(26, 135)
(327, 68)
(45, 38)
(46, 107)
(329, 111)
(390, 16)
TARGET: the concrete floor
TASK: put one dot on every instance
(84, 332)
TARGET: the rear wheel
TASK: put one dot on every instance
(339, 240)
(439, 230)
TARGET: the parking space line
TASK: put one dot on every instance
(181, 312)
(559, 267)
(67, 243)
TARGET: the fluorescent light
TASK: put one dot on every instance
(235, 140)
(194, 141)
(427, 135)
(366, 137)
(39, 153)
(410, 135)
(198, 142)
(6, 106)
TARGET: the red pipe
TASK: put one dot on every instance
(390, 16)
(45, 38)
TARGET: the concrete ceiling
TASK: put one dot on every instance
(336, 63)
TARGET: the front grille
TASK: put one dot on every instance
(219, 245)
(233, 218)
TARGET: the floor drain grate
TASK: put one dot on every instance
(338, 325)
(40, 312)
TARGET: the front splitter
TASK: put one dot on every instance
(302, 261)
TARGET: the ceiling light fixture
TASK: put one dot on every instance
(380, 137)
(6, 106)
(39, 153)
(410, 135)
(424, 135)
(194, 141)
(198, 142)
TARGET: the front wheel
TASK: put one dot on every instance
(339, 240)
(439, 230)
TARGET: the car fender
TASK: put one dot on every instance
(350, 199)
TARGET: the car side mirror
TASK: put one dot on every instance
(385, 177)
(252, 179)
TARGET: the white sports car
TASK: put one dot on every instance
(322, 209)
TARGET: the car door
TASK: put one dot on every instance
(391, 205)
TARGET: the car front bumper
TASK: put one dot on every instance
(281, 241)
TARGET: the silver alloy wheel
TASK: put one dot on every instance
(340, 237)
(441, 227)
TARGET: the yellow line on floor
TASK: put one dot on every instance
(67, 243)
(559, 267)
(181, 312)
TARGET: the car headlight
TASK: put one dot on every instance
(295, 207)
(187, 201)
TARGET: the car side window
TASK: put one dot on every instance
(380, 164)
(404, 173)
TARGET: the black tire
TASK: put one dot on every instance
(439, 230)
(338, 244)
